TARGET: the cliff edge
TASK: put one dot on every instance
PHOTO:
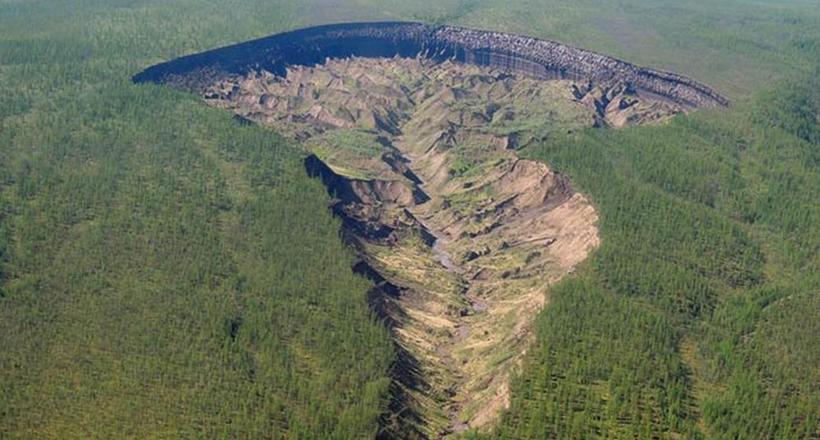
(532, 57)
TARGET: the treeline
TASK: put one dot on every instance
(166, 272)
(163, 282)
(698, 314)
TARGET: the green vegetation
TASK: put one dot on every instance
(158, 288)
(697, 313)
(165, 272)
(735, 45)
(353, 153)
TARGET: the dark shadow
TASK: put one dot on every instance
(512, 54)
(401, 420)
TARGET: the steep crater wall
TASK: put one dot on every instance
(414, 130)
(460, 237)
(529, 56)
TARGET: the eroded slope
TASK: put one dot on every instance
(462, 237)
(519, 54)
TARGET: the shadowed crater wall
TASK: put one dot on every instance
(528, 56)
(415, 130)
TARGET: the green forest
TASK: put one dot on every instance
(167, 272)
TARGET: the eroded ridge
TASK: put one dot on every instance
(461, 237)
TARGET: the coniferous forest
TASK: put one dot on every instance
(168, 272)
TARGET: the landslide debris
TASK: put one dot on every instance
(461, 237)
(417, 142)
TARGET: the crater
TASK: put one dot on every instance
(415, 130)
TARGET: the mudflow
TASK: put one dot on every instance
(461, 238)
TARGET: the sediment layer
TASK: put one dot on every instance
(522, 55)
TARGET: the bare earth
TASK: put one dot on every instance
(462, 237)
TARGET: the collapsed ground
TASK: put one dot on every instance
(461, 237)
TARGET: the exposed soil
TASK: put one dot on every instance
(461, 238)
(417, 142)
(518, 54)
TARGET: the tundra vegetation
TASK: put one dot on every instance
(166, 271)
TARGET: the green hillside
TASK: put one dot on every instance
(698, 315)
(166, 272)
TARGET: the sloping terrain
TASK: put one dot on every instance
(168, 273)
(417, 143)
(462, 237)
(523, 55)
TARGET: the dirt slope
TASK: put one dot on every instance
(461, 237)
